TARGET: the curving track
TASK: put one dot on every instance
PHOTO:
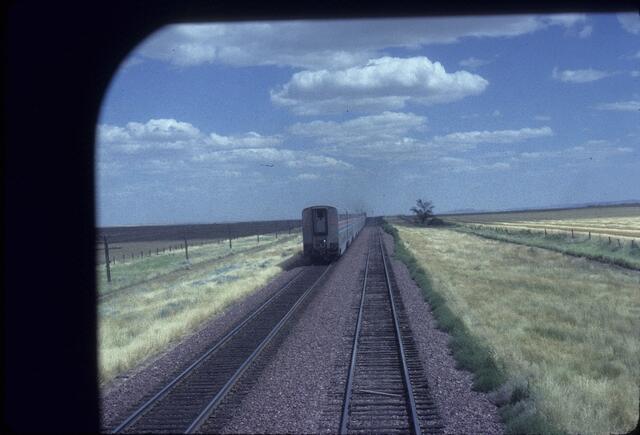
(386, 390)
(186, 402)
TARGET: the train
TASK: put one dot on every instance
(326, 235)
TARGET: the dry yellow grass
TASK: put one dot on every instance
(141, 322)
(609, 221)
(619, 227)
(568, 326)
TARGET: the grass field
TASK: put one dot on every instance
(623, 253)
(561, 331)
(138, 323)
(125, 274)
(604, 212)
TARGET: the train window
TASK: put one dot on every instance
(213, 138)
(320, 221)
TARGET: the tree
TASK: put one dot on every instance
(423, 211)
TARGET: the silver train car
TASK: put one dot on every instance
(326, 234)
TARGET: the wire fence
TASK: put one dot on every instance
(111, 253)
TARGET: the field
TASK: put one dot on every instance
(561, 332)
(129, 272)
(624, 253)
(139, 322)
(140, 241)
(618, 221)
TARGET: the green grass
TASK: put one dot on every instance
(470, 353)
(141, 322)
(595, 248)
(126, 274)
(555, 337)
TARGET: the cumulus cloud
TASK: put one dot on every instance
(383, 127)
(273, 156)
(592, 150)
(579, 75)
(456, 164)
(585, 32)
(154, 134)
(630, 22)
(469, 139)
(328, 44)
(247, 140)
(620, 106)
(307, 176)
(191, 147)
(473, 62)
(384, 83)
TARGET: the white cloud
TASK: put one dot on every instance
(154, 134)
(469, 139)
(579, 75)
(585, 32)
(566, 20)
(456, 165)
(592, 150)
(387, 126)
(328, 44)
(273, 156)
(473, 62)
(307, 176)
(620, 106)
(630, 22)
(384, 83)
(247, 140)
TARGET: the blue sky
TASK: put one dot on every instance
(253, 121)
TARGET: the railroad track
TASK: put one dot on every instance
(186, 402)
(386, 390)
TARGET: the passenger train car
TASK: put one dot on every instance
(325, 234)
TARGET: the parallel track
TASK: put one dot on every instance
(186, 402)
(386, 390)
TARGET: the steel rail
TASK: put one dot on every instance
(225, 389)
(405, 371)
(133, 417)
(344, 420)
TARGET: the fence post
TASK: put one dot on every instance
(609, 240)
(545, 232)
(186, 248)
(589, 235)
(106, 258)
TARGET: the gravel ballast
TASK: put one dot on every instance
(298, 382)
(120, 396)
(291, 392)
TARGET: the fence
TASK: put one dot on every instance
(110, 258)
(548, 231)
